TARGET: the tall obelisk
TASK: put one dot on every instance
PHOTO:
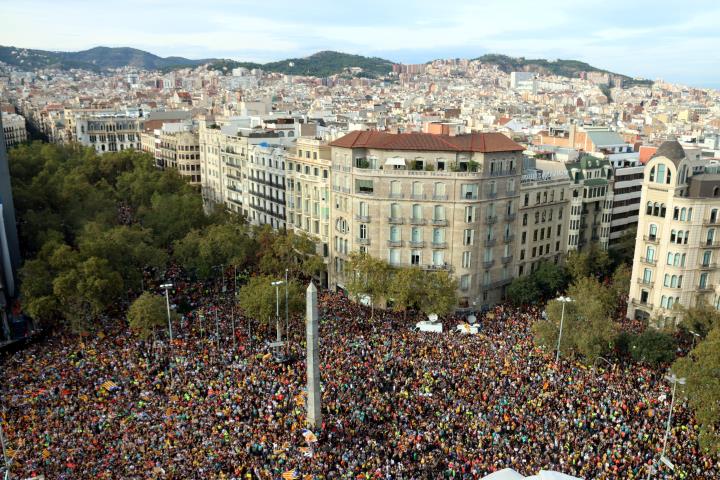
(314, 415)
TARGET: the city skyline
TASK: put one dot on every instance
(634, 40)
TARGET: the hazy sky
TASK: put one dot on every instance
(669, 39)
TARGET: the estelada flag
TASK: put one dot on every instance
(309, 436)
(290, 475)
(110, 386)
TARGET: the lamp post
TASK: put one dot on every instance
(674, 379)
(287, 322)
(277, 284)
(695, 335)
(563, 300)
(167, 287)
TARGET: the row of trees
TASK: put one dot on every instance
(404, 288)
(93, 227)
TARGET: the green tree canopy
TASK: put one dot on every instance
(439, 293)
(258, 299)
(701, 319)
(701, 368)
(550, 278)
(523, 291)
(147, 313)
(653, 347)
(594, 261)
(367, 276)
(407, 288)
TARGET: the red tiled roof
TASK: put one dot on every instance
(646, 152)
(474, 142)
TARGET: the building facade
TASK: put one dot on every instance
(432, 201)
(543, 217)
(108, 131)
(179, 150)
(591, 199)
(266, 185)
(14, 129)
(678, 243)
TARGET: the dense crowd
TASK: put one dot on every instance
(397, 403)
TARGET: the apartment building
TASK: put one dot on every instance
(678, 243)
(543, 216)
(14, 129)
(266, 185)
(178, 148)
(108, 131)
(308, 191)
(432, 201)
(591, 199)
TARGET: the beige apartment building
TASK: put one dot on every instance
(543, 217)
(14, 129)
(678, 242)
(308, 191)
(434, 201)
(591, 202)
(179, 150)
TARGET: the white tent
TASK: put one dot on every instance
(510, 474)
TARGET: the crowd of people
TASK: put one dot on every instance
(396, 403)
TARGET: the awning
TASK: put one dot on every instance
(395, 161)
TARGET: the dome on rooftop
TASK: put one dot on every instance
(672, 150)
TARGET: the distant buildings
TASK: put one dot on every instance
(108, 131)
(14, 129)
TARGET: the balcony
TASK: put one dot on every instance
(416, 244)
(648, 261)
(503, 173)
(708, 266)
(490, 219)
(641, 281)
(509, 217)
(438, 222)
(496, 284)
(488, 264)
(506, 260)
(444, 266)
(651, 239)
(396, 195)
(363, 241)
(491, 195)
(640, 303)
(705, 289)
(489, 242)
(418, 196)
(395, 220)
(710, 244)
(440, 198)
(439, 244)
(395, 243)
(508, 238)
(417, 221)
(711, 221)
(511, 193)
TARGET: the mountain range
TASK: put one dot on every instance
(320, 64)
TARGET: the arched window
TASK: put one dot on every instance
(689, 219)
(669, 177)
(650, 254)
(394, 233)
(682, 260)
(660, 173)
(666, 280)
(663, 302)
(710, 236)
(673, 236)
(648, 210)
(364, 210)
(680, 237)
(653, 231)
(676, 213)
(683, 214)
(680, 281)
(417, 189)
(670, 302)
(652, 174)
(687, 236)
(673, 281)
(394, 210)
(707, 256)
(716, 190)
(676, 260)
(656, 209)
(713, 215)
(439, 212)
(662, 210)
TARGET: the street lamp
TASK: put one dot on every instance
(674, 379)
(695, 335)
(563, 300)
(287, 322)
(277, 284)
(167, 287)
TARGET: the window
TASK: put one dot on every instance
(395, 189)
(394, 233)
(647, 275)
(417, 211)
(523, 238)
(438, 258)
(415, 257)
(439, 212)
(469, 214)
(703, 280)
(524, 222)
(394, 256)
(363, 231)
(469, 191)
(439, 190)
(416, 234)
(417, 189)
(650, 254)
(660, 173)
(710, 236)
(466, 258)
(707, 255)
(464, 282)
(438, 235)
(364, 186)
(468, 237)
(683, 214)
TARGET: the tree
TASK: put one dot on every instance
(85, 290)
(171, 216)
(439, 293)
(550, 278)
(146, 313)
(257, 298)
(701, 369)
(701, 319)
(621, 281)
(594, 261)
(407, 288)
(523, 291)
(367, 276)
(287, 250)
(653, 347)
(622, 251)
(588, 329)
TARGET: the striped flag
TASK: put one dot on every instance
(110, 386)
(309, 436)
(46, 454)
(290, 475)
